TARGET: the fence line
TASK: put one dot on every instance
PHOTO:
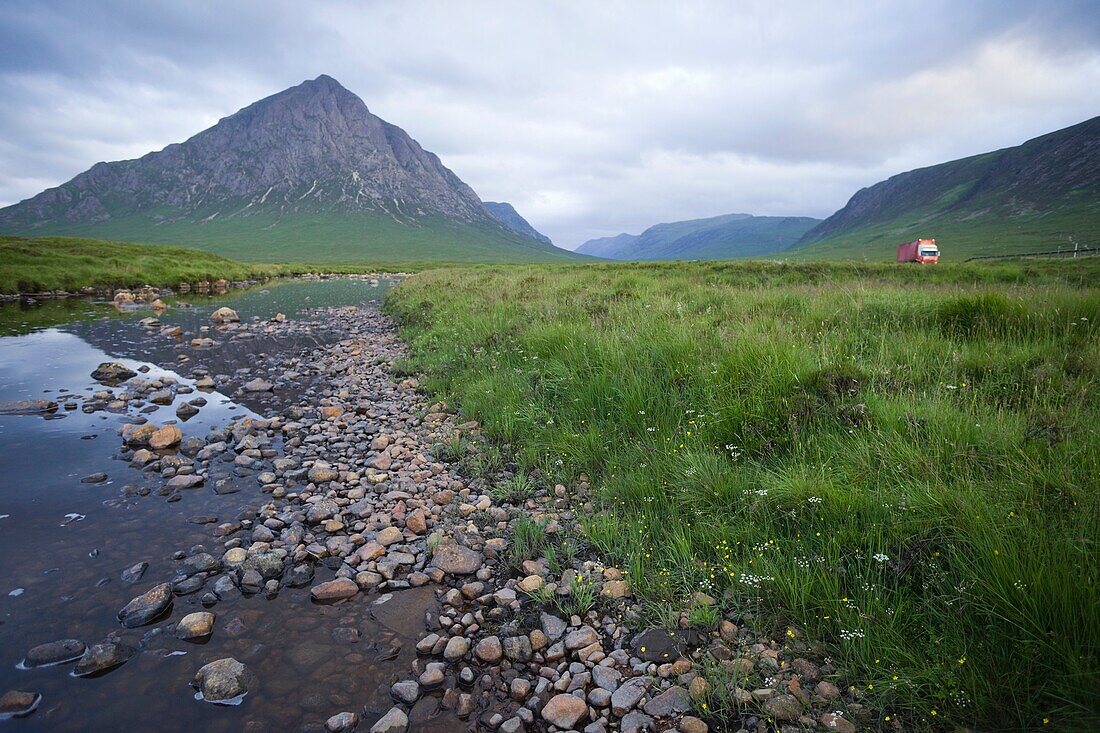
(1087, 251)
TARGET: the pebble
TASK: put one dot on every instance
(103, 657)
(394, 721)
(565, 711)
(406, 691)
(223, 681)
(489, 650)
(342, 722)
(629, 693)
(197, 625)
(147, 607)
(334, 590)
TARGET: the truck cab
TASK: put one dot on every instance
(922, 251)
(927, 252)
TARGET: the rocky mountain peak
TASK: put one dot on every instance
(314, 148)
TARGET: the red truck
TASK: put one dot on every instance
(923, 251)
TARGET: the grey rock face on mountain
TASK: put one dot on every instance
(313, 148)
(507, 215)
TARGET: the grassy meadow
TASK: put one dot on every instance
(897, 465)
(70, 263)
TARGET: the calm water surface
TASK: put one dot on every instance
(64, 543)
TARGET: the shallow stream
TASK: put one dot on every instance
(64, 543)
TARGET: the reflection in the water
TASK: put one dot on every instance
(75, 553)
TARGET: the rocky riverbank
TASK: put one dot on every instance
(151, 293)
(369, 492)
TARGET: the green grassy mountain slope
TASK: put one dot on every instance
(1040, 195)
(305, 174)
(719, 237)
(328, 238)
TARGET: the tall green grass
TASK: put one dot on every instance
(900, 464)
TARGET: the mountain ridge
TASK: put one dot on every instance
(718, 237)
(507, 215)
(311, 152)
(1045, 190)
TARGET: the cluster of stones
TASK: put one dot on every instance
(356, 495)
(495, 657)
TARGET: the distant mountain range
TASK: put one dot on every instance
(719, 237)
(507, 215)
(309, 174)
(1040, 195)
(306, 174)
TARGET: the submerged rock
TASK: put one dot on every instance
(18, 704)
(100, 658)
(28, 407)
(54, 652)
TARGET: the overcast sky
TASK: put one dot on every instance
(592, 118)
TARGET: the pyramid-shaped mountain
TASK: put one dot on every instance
(307, 174)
